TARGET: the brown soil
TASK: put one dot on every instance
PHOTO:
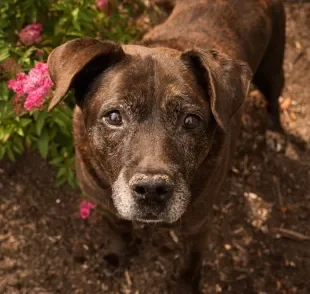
(258, 242)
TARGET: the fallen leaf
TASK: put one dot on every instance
(286, 103)
(298, 45)
(293, 116)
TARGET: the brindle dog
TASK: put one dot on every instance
(155, 124)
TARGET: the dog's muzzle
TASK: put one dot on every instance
(150, 197)
(151, 190)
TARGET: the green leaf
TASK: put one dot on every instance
(17, 145)
(4, 54)
(10, 154)
(59, 122)
(20, 132)
(40, 122)
(2, 152)
(60, 181)
(25, 121)
(43, 144)
(20, 145)
(75, 13)
(52, 133)
(4, 91)
(61, 172)
(16, 149)
(72, 182)
(56, 160)
(26, 56)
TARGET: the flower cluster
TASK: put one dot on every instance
(31, 34)
(85, 208)
(102, 3)
(35, 86)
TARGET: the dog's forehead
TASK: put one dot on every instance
(163, 64)
(146, 51)
(153, 74)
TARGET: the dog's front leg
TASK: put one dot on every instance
(116, 250)
(191, 271)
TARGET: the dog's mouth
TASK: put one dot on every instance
(149, 220)
(150, 216)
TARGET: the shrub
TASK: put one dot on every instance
(29, 30)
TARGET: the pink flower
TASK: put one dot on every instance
(17, 85)
(102, 3)
(85, 208)
(31, 34)
(35, 86)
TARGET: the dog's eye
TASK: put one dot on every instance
(114, 118)
(191, 121)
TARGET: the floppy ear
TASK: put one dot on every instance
(66, 61)
(226, 82)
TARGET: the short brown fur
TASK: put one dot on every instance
(199, 61)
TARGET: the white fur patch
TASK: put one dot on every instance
(178, 203)
(128, 209)
(122, 198)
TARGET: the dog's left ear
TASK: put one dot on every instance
(226, 81)
(67, 61)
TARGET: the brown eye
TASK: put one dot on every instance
(191, 121)
(114, 118)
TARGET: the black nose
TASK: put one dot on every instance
(152, 189)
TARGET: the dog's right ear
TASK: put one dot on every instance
(225, 80)
(66, 61)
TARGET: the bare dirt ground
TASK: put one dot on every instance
(260, 234)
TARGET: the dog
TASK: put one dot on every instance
(156, 122)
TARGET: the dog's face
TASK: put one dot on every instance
(150, 126)
(150, 116)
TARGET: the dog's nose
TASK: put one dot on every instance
(152, 189)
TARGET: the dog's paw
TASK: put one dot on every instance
(113, 264)
(115, 252)
(183, 286)
(180, 287)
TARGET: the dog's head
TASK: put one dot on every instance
(150, 115)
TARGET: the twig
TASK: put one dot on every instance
(278, 191)
(128, 279)
(173, 236)
(291, 234)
